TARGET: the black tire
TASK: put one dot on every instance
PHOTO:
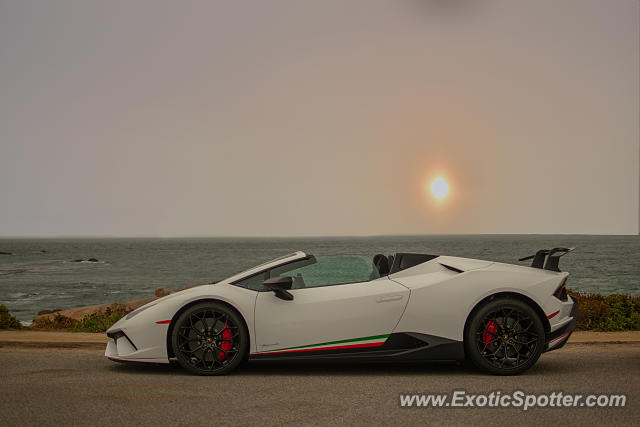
(210, 339)
(505, 337)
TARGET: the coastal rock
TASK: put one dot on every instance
(5, 253)
(55, 310)
(92, 260)
(46, 317)
(80, 312)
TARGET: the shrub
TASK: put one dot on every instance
(607, 312)
(97, 322)
(7, 321)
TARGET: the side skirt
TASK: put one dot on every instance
(399, 346)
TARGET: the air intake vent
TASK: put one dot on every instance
(448, 267)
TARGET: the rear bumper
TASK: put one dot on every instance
(558, 338)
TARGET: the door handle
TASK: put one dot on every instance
(389, 298)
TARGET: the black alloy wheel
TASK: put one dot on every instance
(505, 337)
(209, 339)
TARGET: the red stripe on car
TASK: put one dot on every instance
(164, 322)
(553, 314)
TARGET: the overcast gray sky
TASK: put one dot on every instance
(285, 118)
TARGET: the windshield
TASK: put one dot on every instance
(242, 273)
(274, 260)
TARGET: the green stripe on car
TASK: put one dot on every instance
(376, 337)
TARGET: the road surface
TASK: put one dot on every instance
(78, 386)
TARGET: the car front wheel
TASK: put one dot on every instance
(209, 339)
(505, 337)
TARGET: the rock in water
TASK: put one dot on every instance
(5, 253)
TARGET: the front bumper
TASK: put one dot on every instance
(558, 338)
(121, 348)
(137, 343)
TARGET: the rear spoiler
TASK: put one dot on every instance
(551, 255)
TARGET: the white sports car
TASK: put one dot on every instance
(407, 306)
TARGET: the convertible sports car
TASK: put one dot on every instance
(406, 306)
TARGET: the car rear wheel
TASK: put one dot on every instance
(505, 337)
(209, 339)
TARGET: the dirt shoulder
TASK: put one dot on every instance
(27, 338)
(51, 339)
(604, 337)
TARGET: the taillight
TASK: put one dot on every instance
(561, 292)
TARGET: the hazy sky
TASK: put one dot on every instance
(277, 118)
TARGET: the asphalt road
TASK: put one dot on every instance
(80, 387)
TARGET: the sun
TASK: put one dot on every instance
(439, 188)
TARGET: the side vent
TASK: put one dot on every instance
(448, 267)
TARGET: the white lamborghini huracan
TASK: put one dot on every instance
(406, 306)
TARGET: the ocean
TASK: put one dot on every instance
(43, 274)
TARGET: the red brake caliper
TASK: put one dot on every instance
(489, 332)
(227, 343)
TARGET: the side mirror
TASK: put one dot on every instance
(279, 286)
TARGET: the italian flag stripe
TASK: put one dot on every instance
(373, 341)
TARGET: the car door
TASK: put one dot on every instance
(334, 306)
